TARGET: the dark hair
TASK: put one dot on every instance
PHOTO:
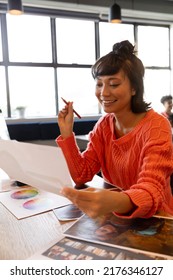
(123, 57)
(165, 98)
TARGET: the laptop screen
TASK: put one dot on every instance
(4, 134)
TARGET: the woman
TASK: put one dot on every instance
(131, 144)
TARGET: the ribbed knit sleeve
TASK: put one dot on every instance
(82, 169)
(140, 162)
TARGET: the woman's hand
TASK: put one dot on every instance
(66, 120)
(98, 202)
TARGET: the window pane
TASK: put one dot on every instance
(32, 88)
(153, 45)
(75, 41)
(0, 44)
(77, 85)
(113, 33)
(3, 94)
(29, 38)
(157, 84)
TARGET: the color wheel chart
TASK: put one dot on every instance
(34, 203)
(24, 194)
(26, 202)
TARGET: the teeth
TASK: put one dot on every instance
(107, 102)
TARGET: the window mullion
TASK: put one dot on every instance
(54, 60)
(5, 54)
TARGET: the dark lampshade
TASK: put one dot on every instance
(115, 14)
(15, 7)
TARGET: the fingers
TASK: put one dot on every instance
(68, 109)
(80, 195)
(83, 199)
(66, 120)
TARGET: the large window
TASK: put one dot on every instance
(155, 51)
(29, 38)
(114, 33)
(3, 95)
(155, 56)
(32, 88)
(0, 45)
(75, 41)
(44, 58)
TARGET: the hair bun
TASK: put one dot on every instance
(124, 49)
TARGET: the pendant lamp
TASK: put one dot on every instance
(15, 7)
(115, 13)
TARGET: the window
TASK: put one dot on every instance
(3, 97)
(114, 33)
(77, 85)
(157, 84)
(155, 56)
(75, 41)
(0, 44)
(44, 58)
(29, 38)
(32, 88)
(153, 51)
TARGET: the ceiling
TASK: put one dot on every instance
(146, 5)
(129, 7)
(161, 9)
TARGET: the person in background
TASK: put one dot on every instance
(170, 118)
(131, 144)
(167, 103)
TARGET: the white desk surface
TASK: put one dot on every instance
(20, 239)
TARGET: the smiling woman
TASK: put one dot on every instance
(131, 144)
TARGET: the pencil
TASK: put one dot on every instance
(73, 109)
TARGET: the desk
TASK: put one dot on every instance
(20, 239)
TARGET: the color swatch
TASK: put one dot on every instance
(37, 203)
(24, 194)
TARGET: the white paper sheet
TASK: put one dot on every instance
(6, 184)
(29, 201)
(39, 166)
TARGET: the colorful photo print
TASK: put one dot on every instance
(68, 212)
(73, 249)
(153, 236)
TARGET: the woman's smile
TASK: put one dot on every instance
(108, 102)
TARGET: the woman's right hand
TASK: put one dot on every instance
(66, 120)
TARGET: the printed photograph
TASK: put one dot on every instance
(73, 249)
(153, 235)
(68, 212)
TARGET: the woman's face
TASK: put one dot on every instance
(114, 92)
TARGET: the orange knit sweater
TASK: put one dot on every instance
(140, 162)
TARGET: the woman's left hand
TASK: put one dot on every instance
(98, 202)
